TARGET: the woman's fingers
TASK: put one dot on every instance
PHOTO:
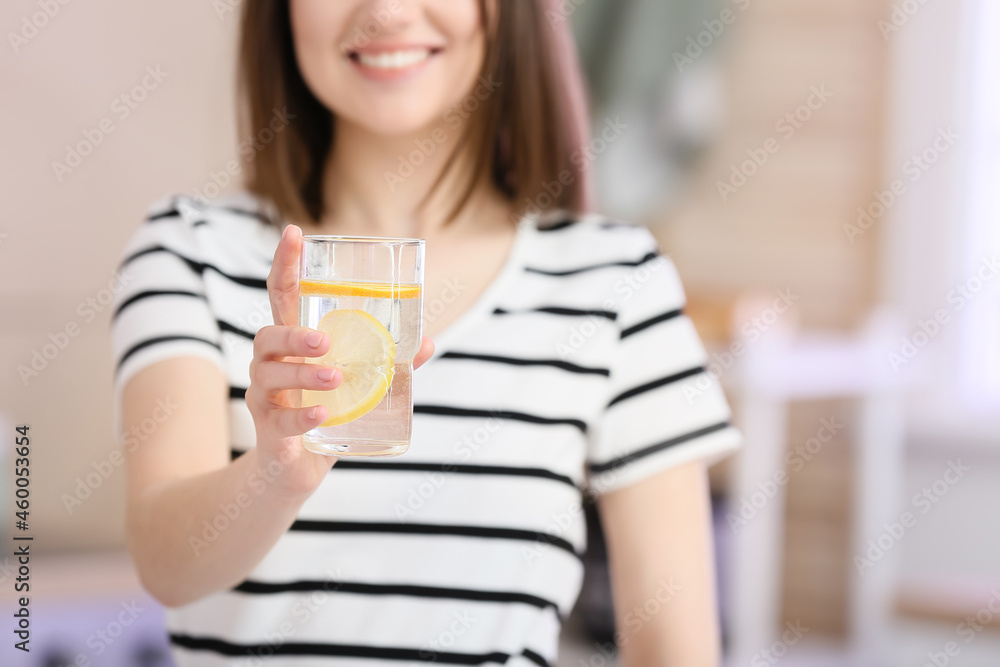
(275, 342)
(274, 376)
(289, 422)
(272, 344)
(283, 279)
(425, 353)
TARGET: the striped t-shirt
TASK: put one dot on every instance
(565, 378)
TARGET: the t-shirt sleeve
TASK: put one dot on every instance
(160, 309)
(663, 408)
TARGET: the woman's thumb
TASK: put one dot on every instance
(283, 280)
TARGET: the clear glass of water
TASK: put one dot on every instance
(367, 294)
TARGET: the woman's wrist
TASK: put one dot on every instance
(266, 476)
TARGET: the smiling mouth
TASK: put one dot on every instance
(392, 60)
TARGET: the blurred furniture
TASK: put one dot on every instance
(88, 609)
(951, 602)
(778, 368)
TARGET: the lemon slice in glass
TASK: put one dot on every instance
(361, 347)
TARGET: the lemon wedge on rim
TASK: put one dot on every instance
(361, 347)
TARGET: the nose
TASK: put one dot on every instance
(389, 16)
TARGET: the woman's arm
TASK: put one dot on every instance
(662, 565)
(195, 522)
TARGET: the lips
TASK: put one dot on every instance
(399, 59)
(391, 62)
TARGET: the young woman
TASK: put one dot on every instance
(564, 366)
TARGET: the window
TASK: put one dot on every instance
(979, 355)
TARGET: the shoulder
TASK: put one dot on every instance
(623, 262)
(241, 207)
(234, 224)
(593, 239)
(595, 234)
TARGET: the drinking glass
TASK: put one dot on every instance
(367, 294)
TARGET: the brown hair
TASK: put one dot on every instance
(531, 127)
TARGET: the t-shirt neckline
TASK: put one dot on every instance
(488, 300)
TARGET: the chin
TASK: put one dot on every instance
(396, 120)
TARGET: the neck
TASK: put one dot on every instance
(379, 185)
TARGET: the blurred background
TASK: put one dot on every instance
(825, 175)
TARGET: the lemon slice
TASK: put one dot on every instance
(372, 290)
(365, 353)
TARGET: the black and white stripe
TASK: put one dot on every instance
(300, 649)
(578, 373)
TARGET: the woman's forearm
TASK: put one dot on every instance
(662, 569)
(195, 536)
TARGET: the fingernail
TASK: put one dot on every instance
(314, 339)
(325, 374)
(284, 232)
(312, 413)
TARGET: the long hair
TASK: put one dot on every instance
(532, 129)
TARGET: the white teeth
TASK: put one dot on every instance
(394, 59)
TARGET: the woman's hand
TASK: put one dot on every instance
(278, 371)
